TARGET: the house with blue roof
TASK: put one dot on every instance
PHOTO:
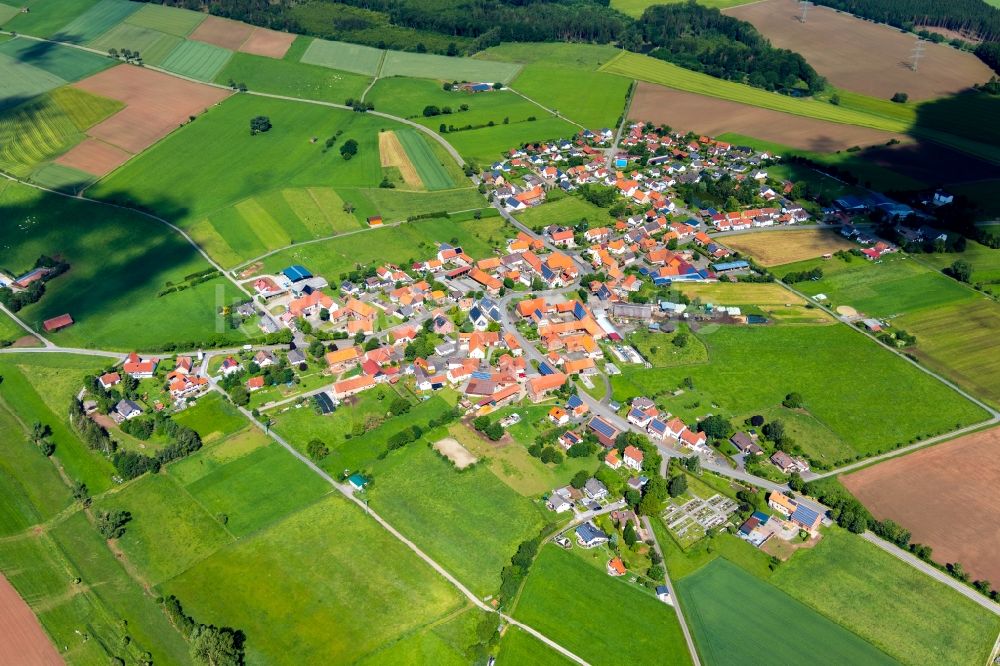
(806, 518)
(589, 536)
(296, 273)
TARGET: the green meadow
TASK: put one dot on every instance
(574, 56)
(565, 598)
(486, 145)
(44, 18)
(753, 368)
(472, 529)
(338, 587)
(592, 99)
(213, 417)
(154, 45)
(119, 262)
(343, 56)
(568, 211)
(432, 173)
(444, 68)
(724, 636)
(520, 647)
(65, 62)
(171, 20)
(97, 20)
(444, 643)
(282, 77)
(197, 60)
(19, 82)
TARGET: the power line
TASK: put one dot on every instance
(805, 5)
(916, 54)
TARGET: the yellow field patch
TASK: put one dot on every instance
(261, 223)
(773, 248)
(392, 154)
(333, 207)
(773, 300)
(205, 235)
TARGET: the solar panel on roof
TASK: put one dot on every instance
(545, 369)
(324, 403)
(603, 427)
(574, 401)
(481, 375)
(805, 515)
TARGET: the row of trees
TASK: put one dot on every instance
(210, 645)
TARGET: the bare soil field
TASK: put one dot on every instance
(270, 43)
(392, 154)
(222, 32)
(156, 104)
(95, 157)
(946, 495)
(773, 248)
(712, 116)
(862, 56)
(455, 452)
(22, 640)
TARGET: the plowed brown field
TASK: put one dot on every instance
(270, 43)
(156, 104)
(222, 32)
(95, 157)
(22, 640)
(946, 496)
(866, 57)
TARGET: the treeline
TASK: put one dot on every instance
(972, 17)
(210, 645)
(130, 464)
(706, 40)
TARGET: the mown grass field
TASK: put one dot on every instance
(171, 20)
(98, 19)
(432, 173)
(575, 56)
(660, 350)
(886, 602)
(343, 56)
(154, 45)
(212, 417)
(47, 126)
(328, 562)
(568, 211)
(519, 647)
(444, 68)
(753, 368)
(953, 324)
(413, 240)
(592, 99)
(486, 144)
(561, 599)
(65, 62)
(39, 388)
(472, 529)
(19, 82)
(723, 635)
(119, 262)
(197, 60)
(445, 643)
(44, 18)
(169, 530)
(282, 77)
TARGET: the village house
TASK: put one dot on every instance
(138, 367)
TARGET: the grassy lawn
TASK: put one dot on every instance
(594, 99)
(722, 633)
(119, 262)
(519, 647)
(444, 68)
(985, 261)
(39, 388)
(212, 458)
(573, 56)
(660, 350)
(486, 145)
(444, 643)
(257, 489)
(473, 529)
(753, 368)
(565, 599)
(213, 417)
(568, 211)
(294, 79)
(338, 587)
(886, 602)
(10, 330)
(411, 241)
(169, 530)
(397, 205)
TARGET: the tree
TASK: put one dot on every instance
(239, 395)
(961, 270)
(716, 427)
(656, 572)
(80, 492)
(900, 97)
(677, 486)
(494, 431)
(756, 420)
(431, 110)
(693, 464)
(212, 646)
(372, 344)
(680, 340)
(579, 479)
(317, 449)
(774, 431)
(628, 534)
(633, 497)
(792, 401)
(316, 349)
(259, 124)
(795, 482)
(111, 524)
(349, 149)
(399, 406)
(480, 423)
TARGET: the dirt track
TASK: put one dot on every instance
(946, 496)
(862, 56)
(22, 639)
(156, 104)
(712, 116)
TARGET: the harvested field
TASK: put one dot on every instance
(773, 248)
(946, 496)
(222, 32)
(156, 104)
(714, 116)
(832, 42)
(392, 154)
(270, 43)
(22, 640)
(95, 157)
(455, 452)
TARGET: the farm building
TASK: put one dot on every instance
(296, 273)
(57, 323)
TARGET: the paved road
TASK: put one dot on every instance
(934, 573)
(348, 492)
(27, 328)
(118, 356)
(621, 128)
(673, 594)
(581, 267)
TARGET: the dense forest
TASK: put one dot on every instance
(706, 40)
(974, 18)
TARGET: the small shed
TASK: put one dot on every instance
(57, 323)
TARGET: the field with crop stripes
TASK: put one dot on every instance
(431, 171)
(197, 60)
